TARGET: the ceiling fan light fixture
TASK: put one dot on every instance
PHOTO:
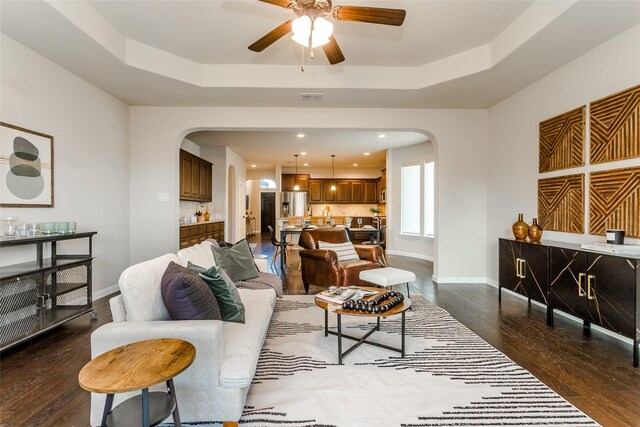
(301, 27)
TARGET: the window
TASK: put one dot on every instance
(410, 203)
(429, 199)
(267, 183)
(417, 199)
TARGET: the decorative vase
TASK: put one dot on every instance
(200, 218)
(520, 228)
(207, 215)
(535, 231)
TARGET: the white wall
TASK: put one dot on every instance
(90, 130)
(414, 246)
(513, 139)
(459, 136)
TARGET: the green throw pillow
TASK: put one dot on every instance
(226, 293)
(237, 261)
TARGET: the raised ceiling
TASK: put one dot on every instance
(449, 54)
(265, 149)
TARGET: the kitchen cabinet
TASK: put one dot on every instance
(195, 178)
(38, 295)
(328, 195)
(289, 181)
(343, 191)
(601, 289)
(315, 191)
(357, 192)
(195, 233)
(369, 193)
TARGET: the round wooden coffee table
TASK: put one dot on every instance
(398, 309)
(138, 366)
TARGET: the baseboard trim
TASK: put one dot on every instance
(410, 255)
(570, 317)
(459, 279)
(106, 291)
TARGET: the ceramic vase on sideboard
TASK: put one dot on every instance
(535, 231)
(520, 228)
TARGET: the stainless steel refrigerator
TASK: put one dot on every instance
(294, 203)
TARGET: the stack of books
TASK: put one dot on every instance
(612, 249)
(340, 294)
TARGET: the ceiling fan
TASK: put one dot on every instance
(311, 29)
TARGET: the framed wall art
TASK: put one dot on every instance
(561, 203)
(614, 201)
(562, 141)
(26, 167)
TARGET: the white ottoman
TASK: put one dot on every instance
(388, 277)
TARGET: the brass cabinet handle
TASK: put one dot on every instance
(518, 267)
(589, 278)
(523, 269)
(581, 293)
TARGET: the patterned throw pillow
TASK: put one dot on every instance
(225, 291)
(187, 296)
(345, 251)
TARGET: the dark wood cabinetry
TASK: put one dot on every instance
(600, 289)
(357, 191)
(193, 234)
(315, 191)
(289, 182)
(195, 178)
(343, 191)
(328, 195)
(524, 269)
(369, 193)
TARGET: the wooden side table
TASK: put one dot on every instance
(138, 366)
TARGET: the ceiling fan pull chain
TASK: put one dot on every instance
(302, 60)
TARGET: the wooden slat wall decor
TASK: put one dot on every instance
(615, 126)
(614, 201)
(562, 141)
(561, 203)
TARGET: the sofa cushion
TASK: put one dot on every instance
(237, 261)
(345, 251)
(200, 254)
(187, 296)
(140, 289)
(226, 293)
(243, 343)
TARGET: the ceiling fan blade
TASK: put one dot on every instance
(271, 37)
(281, 3)
(333, 52)
(371, 15)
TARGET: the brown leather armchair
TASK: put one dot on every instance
(320, 267)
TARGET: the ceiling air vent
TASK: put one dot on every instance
(311, 96)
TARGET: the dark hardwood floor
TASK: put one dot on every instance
(39, 385)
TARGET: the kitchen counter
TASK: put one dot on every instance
(213, 221)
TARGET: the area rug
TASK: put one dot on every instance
(449, 377)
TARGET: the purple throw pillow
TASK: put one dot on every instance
(187, 296)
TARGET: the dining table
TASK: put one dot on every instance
(296, 230)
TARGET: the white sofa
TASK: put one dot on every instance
(215, 386)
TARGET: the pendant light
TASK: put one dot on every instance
(333, 172)
(296, 187)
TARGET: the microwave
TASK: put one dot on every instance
(383, 196)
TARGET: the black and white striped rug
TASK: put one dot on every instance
(449, 377)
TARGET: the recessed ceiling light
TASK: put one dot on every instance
(300, 135)
(355, 164)
(306, 164)
(382, 135)
(366, 154)
(253, 166)
(303, 153)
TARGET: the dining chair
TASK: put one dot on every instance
(280, 246)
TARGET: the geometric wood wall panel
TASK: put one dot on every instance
(561, 203)
(614, 201)
(562, 141)
(615, 126)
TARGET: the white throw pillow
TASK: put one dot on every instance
(200, 254)
(345, 251)
(140, 289)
